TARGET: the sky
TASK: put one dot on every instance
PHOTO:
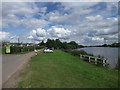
(87, 23)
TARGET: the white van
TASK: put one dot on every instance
(48, 51)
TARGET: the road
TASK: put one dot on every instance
(11, 63)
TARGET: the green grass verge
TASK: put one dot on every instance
(62, 70)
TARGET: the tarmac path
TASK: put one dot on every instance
(12, 62)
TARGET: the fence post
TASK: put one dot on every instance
(89, 59)
(104, 62)
(80, 56)
(96, 61)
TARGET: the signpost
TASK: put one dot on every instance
(8, 51)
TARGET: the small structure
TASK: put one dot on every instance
(94, 60)
(8, 50)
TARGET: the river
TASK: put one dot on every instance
(110, 53)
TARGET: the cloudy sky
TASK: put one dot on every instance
(87, 23)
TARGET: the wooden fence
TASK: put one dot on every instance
(94, 60)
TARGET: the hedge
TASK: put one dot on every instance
(76, 53)
(16, 49)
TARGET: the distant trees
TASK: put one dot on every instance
(115, 44)
(73, 44)
(42, 43)
(111, 45)
(108, 45)
(57, 44)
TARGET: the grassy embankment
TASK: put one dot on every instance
(62, 70)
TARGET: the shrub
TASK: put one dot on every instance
(15, 49)
(39, 47)
(75, 53)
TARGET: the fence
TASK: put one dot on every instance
(94, 60)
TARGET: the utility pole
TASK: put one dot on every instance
(34, 44)
(18, 40)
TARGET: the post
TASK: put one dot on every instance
(104, 62)
(96, 61)
(80, 56)
(89, 58)
(35, 48)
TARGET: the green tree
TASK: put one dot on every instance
(42, 43)
(73, 44)
(65, 45)
(58, 44)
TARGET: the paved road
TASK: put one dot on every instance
(11, 63)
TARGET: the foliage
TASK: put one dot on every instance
(57, 44)
(16, 49)
(42, 43)
(110, 45)
(76, 53)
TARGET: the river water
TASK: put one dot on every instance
(111, 54)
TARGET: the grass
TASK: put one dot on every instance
(62, 70)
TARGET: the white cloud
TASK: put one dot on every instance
(79, 22)
(5, 36)
(94, 18)
(23, 13)
(35, 23)
(30, 37)
(60, 33)
(52, 33)
(40, 32)
(97, 38)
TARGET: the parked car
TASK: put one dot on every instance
(48, 51)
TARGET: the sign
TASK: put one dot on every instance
(8, 49)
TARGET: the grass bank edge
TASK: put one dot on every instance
(27, 82)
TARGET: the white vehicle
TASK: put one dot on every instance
(48, 50)
(35, 52)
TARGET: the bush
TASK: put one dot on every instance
(39, 47)
(75, 53)
(15, 49)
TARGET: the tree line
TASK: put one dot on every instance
(57, 44)
(110, 45)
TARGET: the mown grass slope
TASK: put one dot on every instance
(62, 70)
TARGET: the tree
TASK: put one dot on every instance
(42, 43)
(58, 44)
(49, 43)
(65, 45)
(73, 44)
